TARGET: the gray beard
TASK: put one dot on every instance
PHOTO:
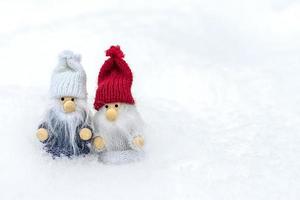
(64, 130)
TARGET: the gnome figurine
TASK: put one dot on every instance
(67, 127)
(118, 125)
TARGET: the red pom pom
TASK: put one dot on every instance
(115, 52)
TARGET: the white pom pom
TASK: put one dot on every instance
(69, 59)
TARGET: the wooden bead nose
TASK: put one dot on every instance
(69, 106)
(111, 114)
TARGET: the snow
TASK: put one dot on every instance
(216, 82)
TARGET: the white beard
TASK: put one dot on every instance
(63, 127)
(118, 134)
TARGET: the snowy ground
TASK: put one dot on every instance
(217, 83)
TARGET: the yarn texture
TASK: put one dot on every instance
(68, 78)
(114, 80)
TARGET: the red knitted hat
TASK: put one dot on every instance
(114, 80)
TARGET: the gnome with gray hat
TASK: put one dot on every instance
(67, 127)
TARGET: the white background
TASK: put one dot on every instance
(217, 83)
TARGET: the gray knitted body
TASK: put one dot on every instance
(64, 137)
(119, 135)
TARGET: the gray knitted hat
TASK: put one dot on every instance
(68, 78)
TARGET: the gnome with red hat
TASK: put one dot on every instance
(117, 121)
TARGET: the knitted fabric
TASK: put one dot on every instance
(114, 80)
(58, 144)
(68, 78)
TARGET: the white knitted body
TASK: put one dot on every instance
(119, 134)
(68, 78)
